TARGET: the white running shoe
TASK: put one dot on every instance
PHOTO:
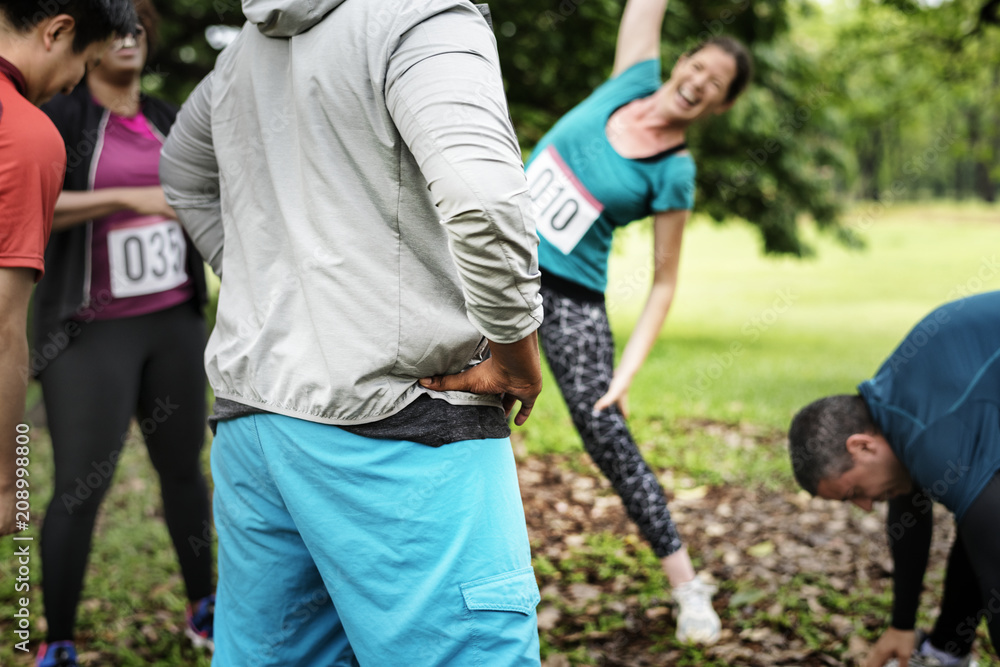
(697, 621)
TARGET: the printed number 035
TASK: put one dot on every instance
(146, 259)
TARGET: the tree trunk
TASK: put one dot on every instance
(985, 187)
(982, 186)
(869, 161)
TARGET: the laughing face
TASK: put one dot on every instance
(698, 84)
(878, 474)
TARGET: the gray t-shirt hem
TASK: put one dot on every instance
(426, 421)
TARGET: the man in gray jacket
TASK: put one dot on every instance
(351, 166)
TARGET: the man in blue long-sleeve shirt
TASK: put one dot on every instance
(925, 429)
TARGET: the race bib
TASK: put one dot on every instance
(564, 209)
(147, 259)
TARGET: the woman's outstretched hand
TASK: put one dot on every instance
(617, 395)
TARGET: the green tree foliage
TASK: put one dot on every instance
(765, 161)
(877, 98)
(920, 86)
(770, 160)
(184, 56)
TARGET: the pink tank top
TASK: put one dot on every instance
(138, 263)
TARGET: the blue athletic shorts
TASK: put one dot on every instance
(335, 549)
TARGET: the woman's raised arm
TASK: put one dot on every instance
(639, 33)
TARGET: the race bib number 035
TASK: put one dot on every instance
(564, 209)
(146, 259)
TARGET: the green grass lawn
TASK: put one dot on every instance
(752, 338)
(749, 340)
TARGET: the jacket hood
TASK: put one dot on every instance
(285, 18)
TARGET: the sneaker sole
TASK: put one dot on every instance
(198, 641)
(895, 663)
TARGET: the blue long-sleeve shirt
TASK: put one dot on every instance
(936, 400)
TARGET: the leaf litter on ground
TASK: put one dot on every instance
(802, 581)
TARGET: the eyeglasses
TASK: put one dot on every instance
(129, 41)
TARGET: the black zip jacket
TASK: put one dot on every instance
(63, 294)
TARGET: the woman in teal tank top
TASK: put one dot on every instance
(617, 157)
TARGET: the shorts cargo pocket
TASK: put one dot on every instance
(510, 591)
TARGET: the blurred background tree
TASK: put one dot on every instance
(875, 100)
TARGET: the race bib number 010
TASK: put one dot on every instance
(147, 259)
(564, 209)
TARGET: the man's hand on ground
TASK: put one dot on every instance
(892, 644)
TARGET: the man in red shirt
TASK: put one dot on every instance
(45, 48)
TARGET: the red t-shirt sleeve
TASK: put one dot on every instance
(32, 168)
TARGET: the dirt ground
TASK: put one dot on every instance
(796, 574)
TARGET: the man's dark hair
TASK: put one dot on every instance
(817, 438)
(96, 20)
(740, 53)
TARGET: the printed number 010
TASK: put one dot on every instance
(564, 209)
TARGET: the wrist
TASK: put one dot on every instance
(624, 376)
(517, 357)
(121, 199)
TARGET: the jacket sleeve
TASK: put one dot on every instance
(189, 174)
(444, 92)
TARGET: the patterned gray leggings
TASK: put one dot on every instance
(576, 339)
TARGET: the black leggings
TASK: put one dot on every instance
(148, 366)
(578, 346)
(972, 580)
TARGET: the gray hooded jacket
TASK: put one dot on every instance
(352, 166)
